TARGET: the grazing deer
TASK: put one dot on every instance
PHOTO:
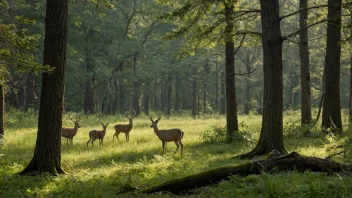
(124, 128)
(168, 135)
(96, 134)
(69, 133)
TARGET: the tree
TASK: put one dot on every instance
(2, 109)
(306, 113)
(271, 134)
(331, 117)
(231, 101)
(47, 153)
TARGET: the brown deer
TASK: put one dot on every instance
(124, 128)
(168, 135)
(96, 134)
(69, 133)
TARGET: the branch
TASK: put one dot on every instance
(298, 31)
(302, 9)
(240, 32)
(240, 45)
(334, 154)
(310, 8)
(243, 74)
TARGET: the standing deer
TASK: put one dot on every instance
(69, 133)
(124, 128)
(96, 134)
(168, 135)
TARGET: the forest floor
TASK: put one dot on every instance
(107, 170)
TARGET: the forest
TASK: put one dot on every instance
(167, 98)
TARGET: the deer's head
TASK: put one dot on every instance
(131, 118)
(154, 123)
(75, 121)
(105, 126)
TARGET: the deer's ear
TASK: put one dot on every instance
(102, 124)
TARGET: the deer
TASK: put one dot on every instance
(124, 128)
(168, 135)
(97, 134)
(69, 133)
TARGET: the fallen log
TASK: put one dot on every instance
(289, 162)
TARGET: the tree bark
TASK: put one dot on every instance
(290, 162)
(146, 98)
(222, 94)
(155, 98)
(247, 102)
(216, 102)
(168, 94)
(350, 100)
(331, 117)
(2, 109)
(231, 101)
(89, 97)
(177, 92)
(47, 153)
(30, 94)
(271, 135)
(306, 104)
(136, 91)
(115, 100)
(194, 94)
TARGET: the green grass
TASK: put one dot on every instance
(104, 171)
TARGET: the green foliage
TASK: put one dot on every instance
(218, 134)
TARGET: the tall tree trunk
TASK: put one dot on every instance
(146, 98)
(350, 101)
(136, 91)
(271, 135)
(30, 94)
(168, 94)
(177, 94)
(115, 100)
(216, 102)
(331, 117)
(306, 104)
(122, 97)
(231, 101)
(89, 97)
(222, 94)
(22, 92)
(247, 102)
(194, 94)
(47, 153)
(155, 98)
(2, 108)
(206, 71)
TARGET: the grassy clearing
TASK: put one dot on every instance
(104, 171)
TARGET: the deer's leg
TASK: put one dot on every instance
(128, 137)
(163, 143)
(88, 142)
(177, 144)
(181, 147)
(102, 140)
(117, 136)
(66, 141)
(126, 134)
